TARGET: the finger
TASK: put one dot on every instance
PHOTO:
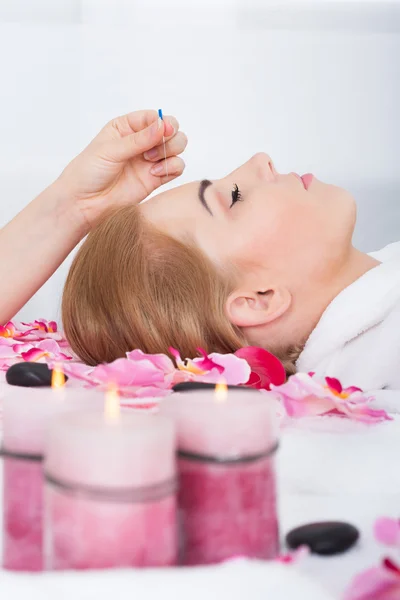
(170, 131)
(129, 146)
(140, 119)
(176, 145)
(175, 164)
(134, 121)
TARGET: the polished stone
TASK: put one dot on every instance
(29, 374)
(327, 537)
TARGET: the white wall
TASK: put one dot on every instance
(316, 85)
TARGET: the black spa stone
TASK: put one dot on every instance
(329, 537)
(29, 374)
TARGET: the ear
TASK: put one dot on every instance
(247, 308)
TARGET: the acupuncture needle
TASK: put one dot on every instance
(163, 139)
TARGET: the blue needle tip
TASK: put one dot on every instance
(160, 113)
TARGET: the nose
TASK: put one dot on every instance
(263, 165)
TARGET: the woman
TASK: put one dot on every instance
(258, 258)
(116, 168)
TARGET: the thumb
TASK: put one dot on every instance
(132, 145)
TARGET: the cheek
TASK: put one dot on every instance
(287, 236)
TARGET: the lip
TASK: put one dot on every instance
(307, 179)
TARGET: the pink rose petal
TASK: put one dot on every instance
(266, 369)
(362, 413)
(76, 370)
(33, 355)
(376, 583)
(236, 371)
(294, 556)
(206, 363)
(52, 327)
(176, 356)
(352, 389)
(303, 395)
(127, 373)
(334, 384)
(40, 329)
(160, 361)
(387, 531)
(44, 349)
(9, 349)
(7, 330)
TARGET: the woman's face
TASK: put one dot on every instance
(295, 230)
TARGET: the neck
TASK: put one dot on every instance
(355, 267)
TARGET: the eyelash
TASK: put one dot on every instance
(236, 195)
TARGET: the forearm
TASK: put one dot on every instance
(33, 245)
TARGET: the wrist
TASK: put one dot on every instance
(63, 210)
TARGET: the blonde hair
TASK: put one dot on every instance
(132, 286)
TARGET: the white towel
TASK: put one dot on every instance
(357, 339)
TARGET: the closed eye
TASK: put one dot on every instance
(236, 195)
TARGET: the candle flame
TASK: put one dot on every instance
(57, 377)
(221, 391)
(111, 405)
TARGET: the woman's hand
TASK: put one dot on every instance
(112, 170)
(123, 164)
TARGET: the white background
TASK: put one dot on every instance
(316, 85)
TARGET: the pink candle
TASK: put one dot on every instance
(227, 490)
(111, 492)
(27, 413)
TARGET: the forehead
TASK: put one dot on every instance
(174, 208)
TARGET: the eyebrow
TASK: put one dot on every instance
(204, 184)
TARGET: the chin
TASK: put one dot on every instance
(339, 200)
(344, 215)
(339, 210)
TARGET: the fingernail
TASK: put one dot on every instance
(168, 128)
(157, 169)
(150, 154)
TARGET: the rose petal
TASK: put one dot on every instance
(294, 556)
(7, 330)
(19, 347)
(303, 395)
(176, 356)
(5, 341)
(126, 373)
(376, 583)
(49, 346)
(160, 361)
(334, 384)
(33, 355)
(147, 392)
(352, 390)
(236, 370)
(7, 363)
(388, 563)
(206, 363)
(76, 370)
(11, 349)
(363, 413)
(40, 329)
(266, 369)
(387, 531)
(52, 327)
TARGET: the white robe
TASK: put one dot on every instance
(357, 338)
